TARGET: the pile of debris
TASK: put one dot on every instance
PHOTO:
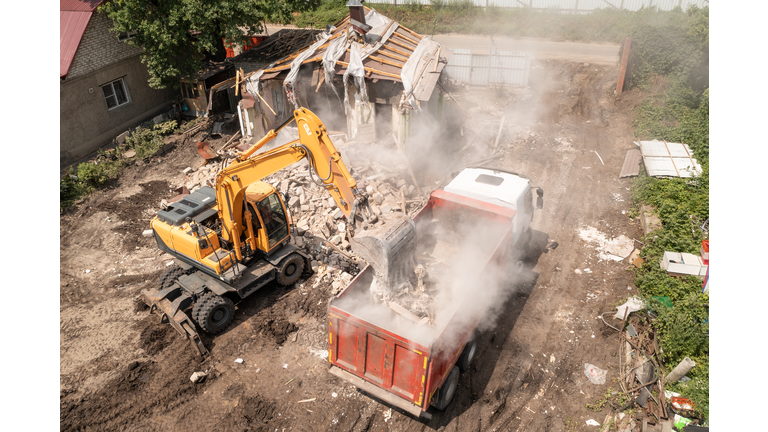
(642, 377)
(321, 229)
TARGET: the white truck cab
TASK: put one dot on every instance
(502, 188)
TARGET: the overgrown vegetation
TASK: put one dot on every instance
(678, 53)
(89, 176)
(461, 16)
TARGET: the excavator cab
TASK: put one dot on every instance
(268, 216)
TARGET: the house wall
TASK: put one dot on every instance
(99, 48)
(86, 122)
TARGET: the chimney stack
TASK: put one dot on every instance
(357, 17)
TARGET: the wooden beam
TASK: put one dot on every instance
(397, 50)
(401, 44)
(624, 60)
(286, 67)
(416, 35)
(394, 56)
(385, 61)
(405, 37)
(371, 70)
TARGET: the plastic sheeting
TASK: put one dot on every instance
(335, 51)
(290, 81)
(413, 69)
(356, 70)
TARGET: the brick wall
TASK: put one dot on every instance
(99, 48)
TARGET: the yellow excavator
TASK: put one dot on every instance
(231, 240)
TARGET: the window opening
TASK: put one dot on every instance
(115, 93)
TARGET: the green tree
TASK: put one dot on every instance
(176, 35)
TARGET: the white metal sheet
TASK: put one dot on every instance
(664, 159)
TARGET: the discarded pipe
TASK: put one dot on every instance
(601, 317)
(681, 369)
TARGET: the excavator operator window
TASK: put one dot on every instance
(273, 216)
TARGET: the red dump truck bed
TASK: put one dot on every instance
(395, 360)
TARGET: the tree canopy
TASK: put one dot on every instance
(177, 34)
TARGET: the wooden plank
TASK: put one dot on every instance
(624, 60)
(407, 55)
(631, 167)
(405, 37)
(394, 56)
(381, 60)
(416, 35)
(401, 44)
(371, 70)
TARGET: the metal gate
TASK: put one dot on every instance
(495, 67)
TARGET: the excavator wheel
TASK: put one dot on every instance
(213, 313)
(169, 276)
(289, 269)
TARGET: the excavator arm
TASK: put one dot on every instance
(314, 144)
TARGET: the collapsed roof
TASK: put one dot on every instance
(384, 50)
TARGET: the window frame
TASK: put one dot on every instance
(114, 94)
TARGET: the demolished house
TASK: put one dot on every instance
(366, 75)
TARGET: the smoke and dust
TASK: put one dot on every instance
(465, 284)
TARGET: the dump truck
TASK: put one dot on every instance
(230, 240)
(471, 235)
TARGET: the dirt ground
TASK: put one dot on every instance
(121, 369)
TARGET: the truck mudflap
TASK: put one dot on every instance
(173, 313)
(380, 393)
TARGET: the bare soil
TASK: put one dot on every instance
(121, 369)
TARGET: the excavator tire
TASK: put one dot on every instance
(213, 313)
(289, 269)
(169, 276)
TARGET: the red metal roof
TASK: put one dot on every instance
(80, 5)
(71, 29)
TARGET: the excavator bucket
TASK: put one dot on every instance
(390, 248)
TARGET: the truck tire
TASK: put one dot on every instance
(465, 360)
(169, 276)
(289, 269)
(448, 389)
(213, 313)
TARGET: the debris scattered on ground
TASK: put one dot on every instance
(198, 377)
(592, 422)
(633, 304)
(239, 361)
(595, 374)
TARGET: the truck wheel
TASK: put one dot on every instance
(213, 313)
(465, 360)
(169, 276)
(289, 269)
(447, 390)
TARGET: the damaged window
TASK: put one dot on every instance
(189, 91)
(115, 93)
(126, 36)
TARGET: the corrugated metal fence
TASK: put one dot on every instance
(496, 67)
(571, 6)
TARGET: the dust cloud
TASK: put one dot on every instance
(466, 287)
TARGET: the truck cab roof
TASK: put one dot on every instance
(490, 185)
